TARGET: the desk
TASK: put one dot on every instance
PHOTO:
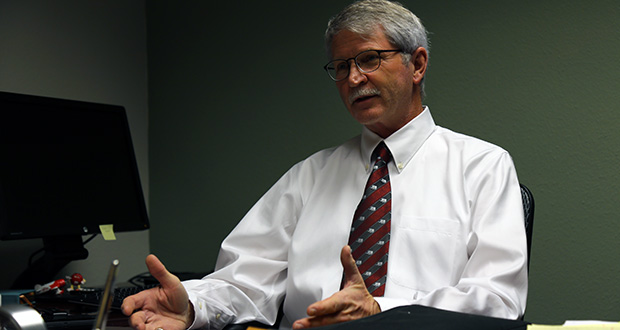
(422, 317)
(406, 317)
(428, 318)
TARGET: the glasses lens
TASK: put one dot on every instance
(338, 69)
(368, 61)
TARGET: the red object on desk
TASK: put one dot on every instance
(56, 286)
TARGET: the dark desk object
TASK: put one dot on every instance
(418, 317)
(427, 318)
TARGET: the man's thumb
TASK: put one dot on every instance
(351, 272)
(159, 271)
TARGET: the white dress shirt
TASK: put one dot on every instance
(457, 238)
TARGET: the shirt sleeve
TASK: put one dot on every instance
(258, 245)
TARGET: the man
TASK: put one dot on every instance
(449, 233)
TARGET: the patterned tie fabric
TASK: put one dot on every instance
(370, 232)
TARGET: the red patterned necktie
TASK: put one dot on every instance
(370, 232)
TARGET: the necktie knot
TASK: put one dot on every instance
(382, 152)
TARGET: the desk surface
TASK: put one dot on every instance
(427, 318)
(421, 317)
(410, 317)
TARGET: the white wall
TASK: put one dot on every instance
(83, 50)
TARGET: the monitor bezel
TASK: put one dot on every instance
(88, 227)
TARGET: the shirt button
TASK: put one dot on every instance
(400, 166)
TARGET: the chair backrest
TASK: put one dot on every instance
(528, 210)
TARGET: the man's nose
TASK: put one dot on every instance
(356, 76)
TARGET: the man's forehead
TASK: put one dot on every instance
(346, 42)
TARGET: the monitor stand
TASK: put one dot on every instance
(58, 252)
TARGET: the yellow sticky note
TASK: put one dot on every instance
(108, 232)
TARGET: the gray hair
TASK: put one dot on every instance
(401, 26)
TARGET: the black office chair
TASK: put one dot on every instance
(528, 210)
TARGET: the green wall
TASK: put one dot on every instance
(237, 95)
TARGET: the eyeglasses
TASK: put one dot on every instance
(366, 61)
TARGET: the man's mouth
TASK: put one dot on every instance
(363, 95)
(363, 98)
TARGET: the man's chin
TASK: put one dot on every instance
(368, 110)
(365, 115)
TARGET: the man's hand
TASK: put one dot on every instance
(351, 303)
(166, 306)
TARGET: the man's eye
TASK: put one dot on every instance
(369, 58)
(342, 66)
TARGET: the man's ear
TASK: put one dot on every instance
(419, 59)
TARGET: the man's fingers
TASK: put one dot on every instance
(351, 272)
(132, 303)
(302, 324)
(159, 271)
(137, 320)
(128, 306)
(135, 302)
(327, 306)
(311, 322)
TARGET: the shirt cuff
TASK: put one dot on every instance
(389, 303)
(201, 316)
(208, 315)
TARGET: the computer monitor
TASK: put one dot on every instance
(67, 167)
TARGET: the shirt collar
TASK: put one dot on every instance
(403, 144)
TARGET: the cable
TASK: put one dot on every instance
(89, 239)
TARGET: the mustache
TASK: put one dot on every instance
(363, 93)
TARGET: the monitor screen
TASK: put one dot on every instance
(66, 168)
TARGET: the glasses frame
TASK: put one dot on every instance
(381, 51)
